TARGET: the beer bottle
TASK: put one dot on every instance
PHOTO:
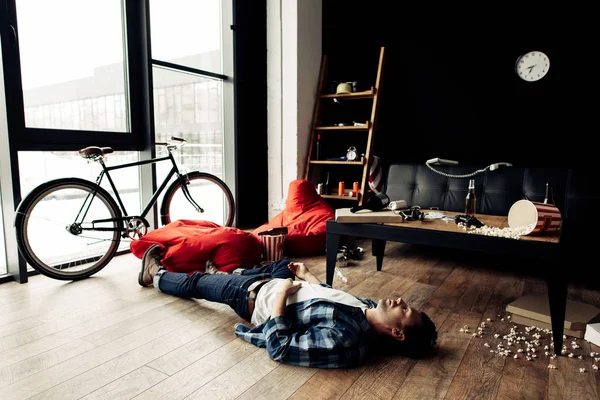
(470, 201)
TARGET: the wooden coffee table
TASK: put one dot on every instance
(543, 249)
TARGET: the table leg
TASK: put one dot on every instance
(333, 245)
(378, 248)
(557, 297)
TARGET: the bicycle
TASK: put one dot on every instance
(70, 228)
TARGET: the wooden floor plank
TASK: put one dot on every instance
(566, 382)
(49, 342)
(128, 386)
(328, 383)
(237, 379)
(93, 379)
(203, 371)
(450, 292)
(439, 370)
(177, 359)
(481, 370)
(44, 380)
(278, 384)
(45, 360)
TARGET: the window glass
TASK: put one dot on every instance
(189, 106)
(73, 81)
(187, 33)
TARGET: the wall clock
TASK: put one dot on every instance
(532, 66)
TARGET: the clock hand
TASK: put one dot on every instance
(531, 68)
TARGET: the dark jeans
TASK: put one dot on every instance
(227, 289)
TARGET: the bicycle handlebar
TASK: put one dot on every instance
(172, 145)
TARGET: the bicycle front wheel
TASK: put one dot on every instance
(211, 194)
(68, 229)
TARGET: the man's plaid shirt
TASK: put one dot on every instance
(315, 333)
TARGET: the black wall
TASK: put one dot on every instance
(450, 90)
(250, 41)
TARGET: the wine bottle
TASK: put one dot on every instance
(326, 191)
(374, 203)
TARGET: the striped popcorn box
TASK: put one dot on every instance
(272, 247)
(541, 218)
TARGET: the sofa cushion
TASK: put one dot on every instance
(305, 216)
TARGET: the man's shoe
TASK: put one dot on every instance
(211, 268)
(150, 265)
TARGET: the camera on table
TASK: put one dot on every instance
(412, 214)
(468, 220)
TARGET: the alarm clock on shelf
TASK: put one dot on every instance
(352, 154)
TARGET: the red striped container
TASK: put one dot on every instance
(272, 247)
(542, 218)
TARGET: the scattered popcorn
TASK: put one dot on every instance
(546, 348)
(533, 356)
(462, 330)
(580, 357)
(551, 366)
(489, 320)
(486, 345)
(496, 335)
(571, 355)
(597, 359)
(564, 337)
(502, 319)
(593, 354)
(519, 350)
(582, 370)
(492, 351)
(516, 356)
(508, 317)
(595, 367)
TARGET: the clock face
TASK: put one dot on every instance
(351, 154)
(532, 66)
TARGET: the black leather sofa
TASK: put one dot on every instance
(575, 191)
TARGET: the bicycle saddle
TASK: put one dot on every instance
(94, 151)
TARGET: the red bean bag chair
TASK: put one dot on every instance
(305, 215)
(189, 244)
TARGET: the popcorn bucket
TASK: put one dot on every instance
(539, 218)
(272, 247)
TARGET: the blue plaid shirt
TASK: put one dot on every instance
(315, 333)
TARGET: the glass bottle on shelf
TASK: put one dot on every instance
(326, 191)
(471, 200)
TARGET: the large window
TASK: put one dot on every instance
(72, 64)
(81, 73)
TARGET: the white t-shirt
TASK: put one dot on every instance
(263, 304)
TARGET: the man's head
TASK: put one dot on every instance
(402, 328)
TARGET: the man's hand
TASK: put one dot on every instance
(283, 289)
(287, 286)
(300, 270)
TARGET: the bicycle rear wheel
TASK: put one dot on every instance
(208, 191)
(55, 240)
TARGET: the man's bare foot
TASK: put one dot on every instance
(299, 269)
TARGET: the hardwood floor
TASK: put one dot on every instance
(108, 338)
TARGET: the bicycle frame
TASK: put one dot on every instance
(106, 171)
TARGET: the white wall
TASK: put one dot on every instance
(293, 62)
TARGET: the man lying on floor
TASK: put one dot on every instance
(301, 323)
